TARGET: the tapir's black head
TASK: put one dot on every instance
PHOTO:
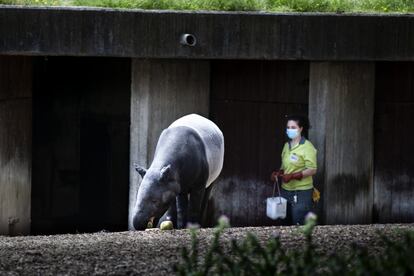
(158, 189)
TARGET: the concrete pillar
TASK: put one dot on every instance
(162, 91)
(341, 109)
(15, 144)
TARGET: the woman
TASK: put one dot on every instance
(298, 167)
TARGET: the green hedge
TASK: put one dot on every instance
(399, 6)
(250, 257)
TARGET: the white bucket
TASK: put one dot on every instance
(276, 207)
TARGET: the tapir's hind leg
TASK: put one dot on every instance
(205, 218)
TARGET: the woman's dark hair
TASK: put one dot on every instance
(302, 121)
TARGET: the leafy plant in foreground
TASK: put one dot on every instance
(251, 257)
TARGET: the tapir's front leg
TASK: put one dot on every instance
(171, 214)
(194, 209)
(182, 207)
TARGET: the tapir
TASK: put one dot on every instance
(188, 158)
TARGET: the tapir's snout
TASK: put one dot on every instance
(140, 222)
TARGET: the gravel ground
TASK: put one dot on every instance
(154, 252)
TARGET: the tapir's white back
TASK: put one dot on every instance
(212, 138)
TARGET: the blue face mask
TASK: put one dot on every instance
(292, 133)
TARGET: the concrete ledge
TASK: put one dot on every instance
(220, 35)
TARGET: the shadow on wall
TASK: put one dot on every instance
(243, 201)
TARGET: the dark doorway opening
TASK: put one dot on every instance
(249, 101)
(81, 118)
(394, 162)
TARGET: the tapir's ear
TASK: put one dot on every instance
(165, 173)
(140, 170)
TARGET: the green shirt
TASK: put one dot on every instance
(296, 159)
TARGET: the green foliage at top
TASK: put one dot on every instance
(32, 2)
(370, 6)
(250, 257)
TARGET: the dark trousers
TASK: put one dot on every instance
(296, 211)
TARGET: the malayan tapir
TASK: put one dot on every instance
(188, 158)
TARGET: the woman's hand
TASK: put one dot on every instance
(288, 177)
(299, 175)
(276, 174)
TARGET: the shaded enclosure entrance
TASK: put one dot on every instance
(81, 119)
(394, 151)
(249, 101)
(81, 139)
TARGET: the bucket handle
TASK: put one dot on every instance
(276, 184)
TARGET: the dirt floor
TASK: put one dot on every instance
(154, 252)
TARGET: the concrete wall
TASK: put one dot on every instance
(341, 109)
(15, 144)
(220, 35)
(161, 92)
